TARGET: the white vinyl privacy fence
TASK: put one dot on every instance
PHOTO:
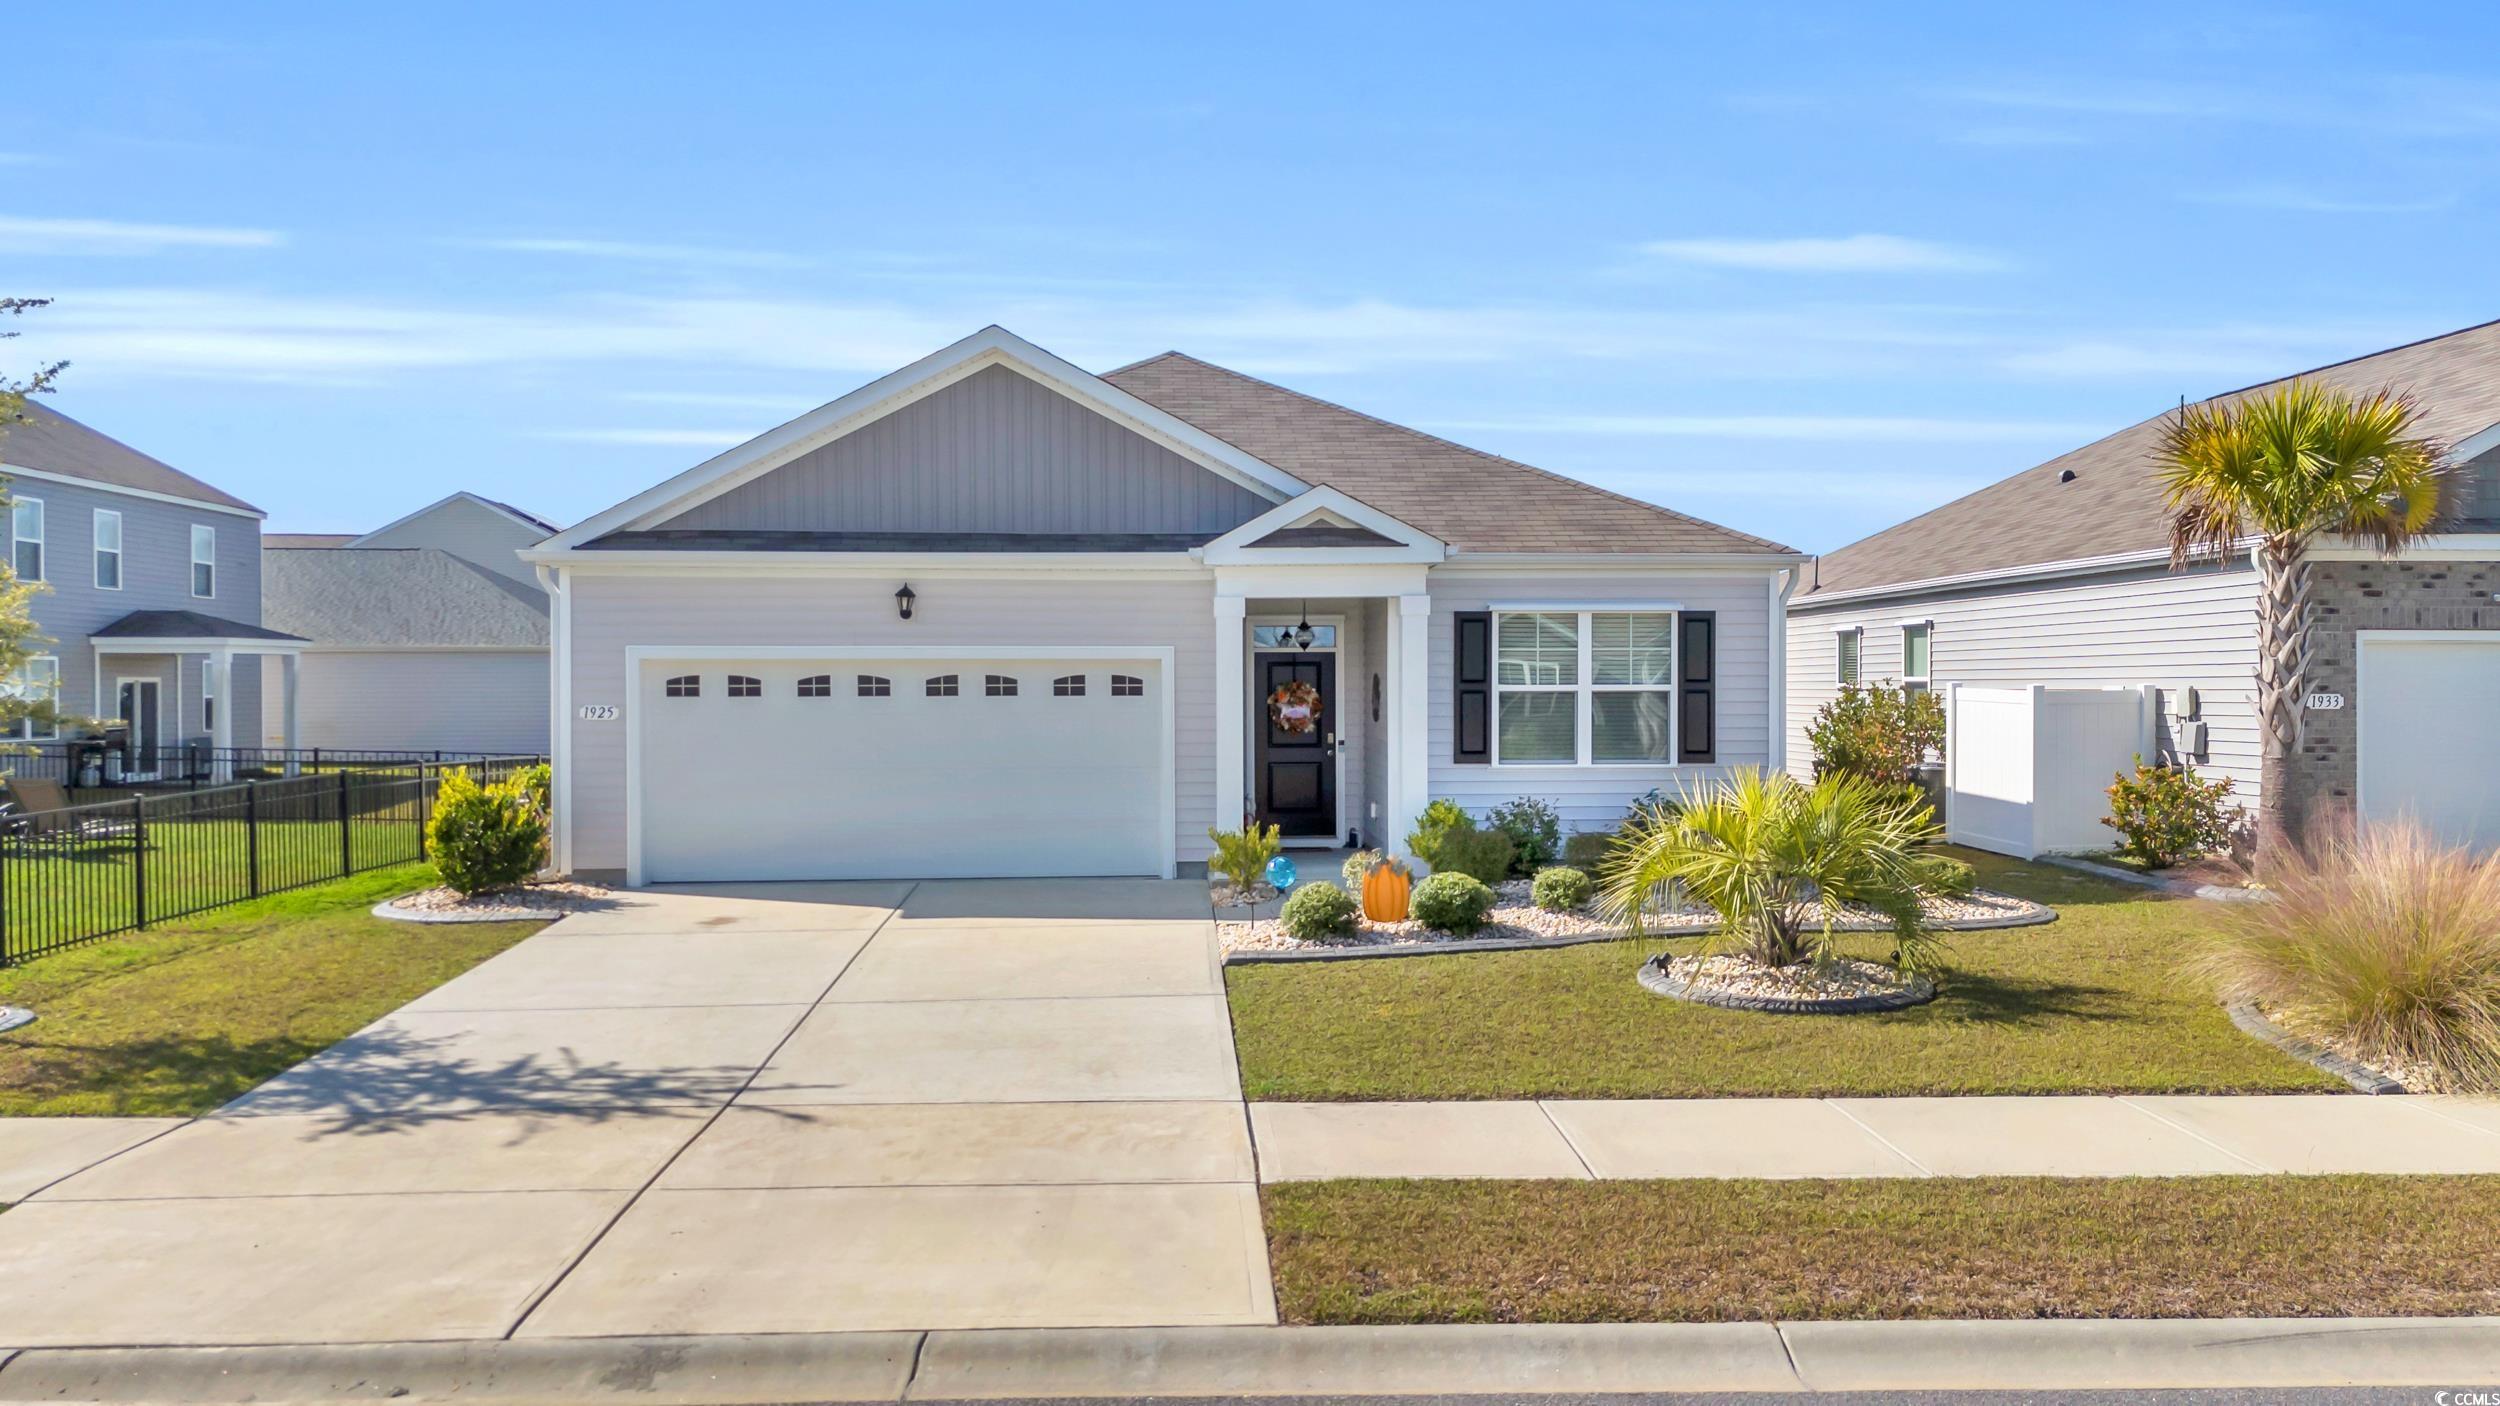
(2027, 769)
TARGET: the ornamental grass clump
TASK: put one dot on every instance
(485, 837)
(2386, 945)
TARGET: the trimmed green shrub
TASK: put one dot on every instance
(1535, 833)
(1879, 731)
(1242, 855)
(2164, 814)
(1944, 876)
(1560, 890)
(1438, 820)
(1483, 855)
(536, 783)
(484, 837)
(1358, 864)
(1319, 910)
(1452, 903)
(1588, 849)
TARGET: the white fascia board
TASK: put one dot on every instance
(2439, 546)
(194, 645)
(2480, 442)
(445, 501)
(991, 346)
(671, 563)
(2037, 571)
(1643, 563)
(1413, 543)
(318, 647)
(1315, 579)
(151, 495)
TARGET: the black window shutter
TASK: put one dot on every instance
(1471, 674)
(1697, 688)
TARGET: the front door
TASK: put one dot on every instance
(137, 706)
(1296, 757)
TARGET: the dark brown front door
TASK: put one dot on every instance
(1297, 748)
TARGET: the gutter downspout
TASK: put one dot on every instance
(559, 708)
(1788, 580)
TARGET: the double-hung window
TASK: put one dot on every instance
(39, 680)
(203, 561)
(1584, 688)
(1845, 647)
(26, 538)
(1916, 638)
(108, 550)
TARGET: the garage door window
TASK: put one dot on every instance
(1072, 686)
(685, 686)
(999, 686)
(741, 686)
(943, 686)
(1127, 686)
(816, 686)
(872, 686)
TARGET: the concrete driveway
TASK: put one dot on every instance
(764, 1108)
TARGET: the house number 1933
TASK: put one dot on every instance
(2324, 702)
(599, 712)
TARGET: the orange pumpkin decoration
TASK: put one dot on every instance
(1386, 890)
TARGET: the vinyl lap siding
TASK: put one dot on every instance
(611, 613)
(2149, 627)
(420, 700)
(1590, 798)
(995, 452)
(469, 531)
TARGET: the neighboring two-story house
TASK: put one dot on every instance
(154, 595)
(429, 634)
(2061, 575)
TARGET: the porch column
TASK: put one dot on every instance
(217, 681)
(286, 725)
(1410, 718)
(1231, 720)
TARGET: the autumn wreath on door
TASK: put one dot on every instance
(1294, 707)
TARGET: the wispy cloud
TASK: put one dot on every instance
(29, 235)
(1856, 253)
(620, 250)
(2230, 355)
(2297, 200)
(783, 405)
(1896, 428)
(697, 439)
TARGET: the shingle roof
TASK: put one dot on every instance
(2113, 505)
(54, 443)
(722, 539)
(397, 596)
(1474, 501)
(185, 625)
(289, 541)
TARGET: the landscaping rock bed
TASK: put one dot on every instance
(1845, 987)
(1516, 921)
(531, 902)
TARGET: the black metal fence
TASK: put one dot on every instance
(89, 871)
(89, 763)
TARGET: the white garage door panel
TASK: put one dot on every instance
(904, 786)
(2429, 732)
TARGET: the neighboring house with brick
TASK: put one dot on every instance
(429, 634)
(152, 599)
(2061, 575)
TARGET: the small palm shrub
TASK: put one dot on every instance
(1242, 855)
(2386, 945)
(1560, 890)
(1535, 833)
(1452, 902)
(2164, 814)
(1587, 850)
(1778, 860)
(1319, 911)
(484, 837)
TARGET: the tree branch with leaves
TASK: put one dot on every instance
(21, 640)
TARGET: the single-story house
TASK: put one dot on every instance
(2061, 576)
(429, 634)
(993, 614)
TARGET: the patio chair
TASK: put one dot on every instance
(39, 809)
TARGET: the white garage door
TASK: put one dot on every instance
(901, 768)
(2429, 730)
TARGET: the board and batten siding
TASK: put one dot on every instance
(2169, 629)
(995, 452)
(1596, 797)
(451, 700)
(470, 531)
(610, 614)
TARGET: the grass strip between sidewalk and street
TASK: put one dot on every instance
(1368, 1252)
(178, 1019)
(2096, 1002)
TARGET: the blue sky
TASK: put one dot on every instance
(1803, 269)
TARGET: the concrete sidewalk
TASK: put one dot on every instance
(2174, 1135)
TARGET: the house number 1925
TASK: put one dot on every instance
(599, 712)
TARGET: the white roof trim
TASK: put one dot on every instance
(991, 346)
(100, 486)
(1235, 547)
(2480, 442)
(488, 504)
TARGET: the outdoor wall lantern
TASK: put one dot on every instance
(1300, 636)
(903, 599)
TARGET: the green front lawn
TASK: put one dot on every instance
(2093, 1003)
(181, 1018)
(1995, 1247)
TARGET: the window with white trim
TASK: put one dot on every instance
(40, 679)
(745, 686)
(203, 561)
(816, 686)
(1068, 686)
(108, 550)
(1584, 688)
(684, 686)
(26, 538)
(1127, 686)
(1845, 644)
(999, 685)
(942, 686)
(875, 686)
(208, 695)
(1917, 640)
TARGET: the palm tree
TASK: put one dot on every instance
(2281, 469)
(1778, 859)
